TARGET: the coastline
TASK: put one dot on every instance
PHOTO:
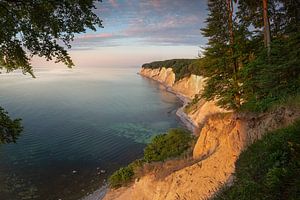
(98, 194)
(184, 118)
(223, 136)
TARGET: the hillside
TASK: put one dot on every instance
(268, 169)
(223, 136)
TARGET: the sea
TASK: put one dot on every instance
(80, 125)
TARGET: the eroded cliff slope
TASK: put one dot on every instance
(223, 136)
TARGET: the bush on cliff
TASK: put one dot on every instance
(269, 168)
(121, 177)
(168, 145)
(172, 144)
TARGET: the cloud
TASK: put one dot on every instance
(171, 29)
(149, 22)
(100, 35)
(155, 3)
(113, 3)
(163, 24)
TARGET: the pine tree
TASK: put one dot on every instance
(274, 72)
(225, 55)
(267, 33)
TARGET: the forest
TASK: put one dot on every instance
(252, 56)
(253, 52)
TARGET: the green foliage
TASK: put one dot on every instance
(121, 177)
(9, 129)
(269, 168)
(227, 51)
(137, 164)
(269, 80)
(39, 28)
(125, 175)
(181, 67)
(283, 16)
(168, 145)
(172, 144)
(241, 74)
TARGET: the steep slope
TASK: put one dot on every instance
(221, 141)
(223, 136)
(269, 168)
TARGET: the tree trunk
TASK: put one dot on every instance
(267, 34)
(230, 8)
(230, 24)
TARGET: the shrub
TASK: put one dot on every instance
(172, 144)
(168, 145)
(121, 177)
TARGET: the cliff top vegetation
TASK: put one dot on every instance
(181, 67)
(173, 144)
(252, 59)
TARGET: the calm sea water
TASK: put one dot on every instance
(78, 123)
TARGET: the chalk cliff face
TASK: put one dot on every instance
(162, 75)
(223, 136)
(187, 87)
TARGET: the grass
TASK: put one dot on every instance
(269, 168)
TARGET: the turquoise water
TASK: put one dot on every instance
(78, 123)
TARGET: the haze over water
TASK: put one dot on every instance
(78, 123)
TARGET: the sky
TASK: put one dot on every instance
(140, 31)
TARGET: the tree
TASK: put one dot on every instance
(270, 16)
(38, 28)
(230, 10)
(273, 74)
(41, 28)
(9, 129)
(267, 33)
(225, 55)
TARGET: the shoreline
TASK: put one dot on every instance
(184, 118)
(97, 194)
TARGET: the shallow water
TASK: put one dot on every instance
(78, 124)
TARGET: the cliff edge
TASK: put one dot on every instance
(186, 89)
(223, 136)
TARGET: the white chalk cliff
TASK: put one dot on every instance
(187, 87)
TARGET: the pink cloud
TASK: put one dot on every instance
(155, 3)
(113, 3)
(100, 35)
(169, 22)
